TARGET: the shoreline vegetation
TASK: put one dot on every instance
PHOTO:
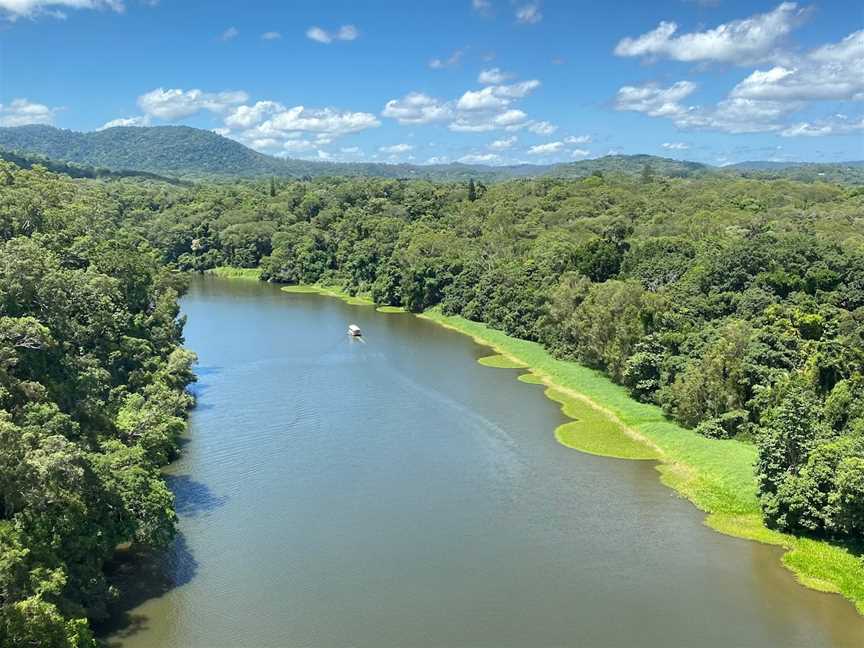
(715, 475)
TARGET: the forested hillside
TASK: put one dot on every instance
(29, 160)
(735, 304)
(92, 400)
(169, 150)
(192, 153)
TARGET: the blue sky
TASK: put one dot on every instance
(494, 81)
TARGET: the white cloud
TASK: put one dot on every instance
(580, 153)
(484, 99)
(838, 125)
(546, 149)
(675, 146)
(481, 122)
(737, 116)
(542, 127)
(319, 120)
(482, 6)
(480, 158)
(765, 99)
(578, 139)
(734, 115)
(806, 129)
(438, 159)
(503, 144)
(529, 14)
(176, 103)
(744, 41)
(491, 108)
(14, 9)
(493, 76)
(344, 33)
(653, 99)
(271, 35)
(229, 34)
(830, 72)
(516, 90)
(476, 111)
(417, 108)
(396, 149)
(269, 125)
(22, 111)
(248, 116)
(140, 120)
(450, 61)
(351, 150)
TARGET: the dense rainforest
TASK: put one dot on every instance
(736, 304)
(92, 402)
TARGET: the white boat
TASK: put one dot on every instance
(354, 330)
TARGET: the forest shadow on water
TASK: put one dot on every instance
(201, 385)
(141, 576)
(193, 498)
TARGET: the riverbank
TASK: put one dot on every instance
(230, 272)
(715, 475)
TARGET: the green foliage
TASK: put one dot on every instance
(811, 475)
(701, 294)
(737, 305)
(92, 399)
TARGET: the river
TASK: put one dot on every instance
(391, 492)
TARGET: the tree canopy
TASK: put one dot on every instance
(737, 304)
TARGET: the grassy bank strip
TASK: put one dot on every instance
(716, 475)
(329, 291)
(501, 362)
(230, 272)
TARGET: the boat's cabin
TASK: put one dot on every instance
(353, 329)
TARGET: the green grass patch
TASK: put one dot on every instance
(716, 475)
(594, 432)
(391, 309)
(230, 272)
(329, 291)
(501, 362)
(530, 378)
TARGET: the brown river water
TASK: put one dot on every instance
(392, 492)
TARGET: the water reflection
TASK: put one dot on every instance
(141, 576)
(193, 498)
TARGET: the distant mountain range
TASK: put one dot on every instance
(193, 153)
(777, 166)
